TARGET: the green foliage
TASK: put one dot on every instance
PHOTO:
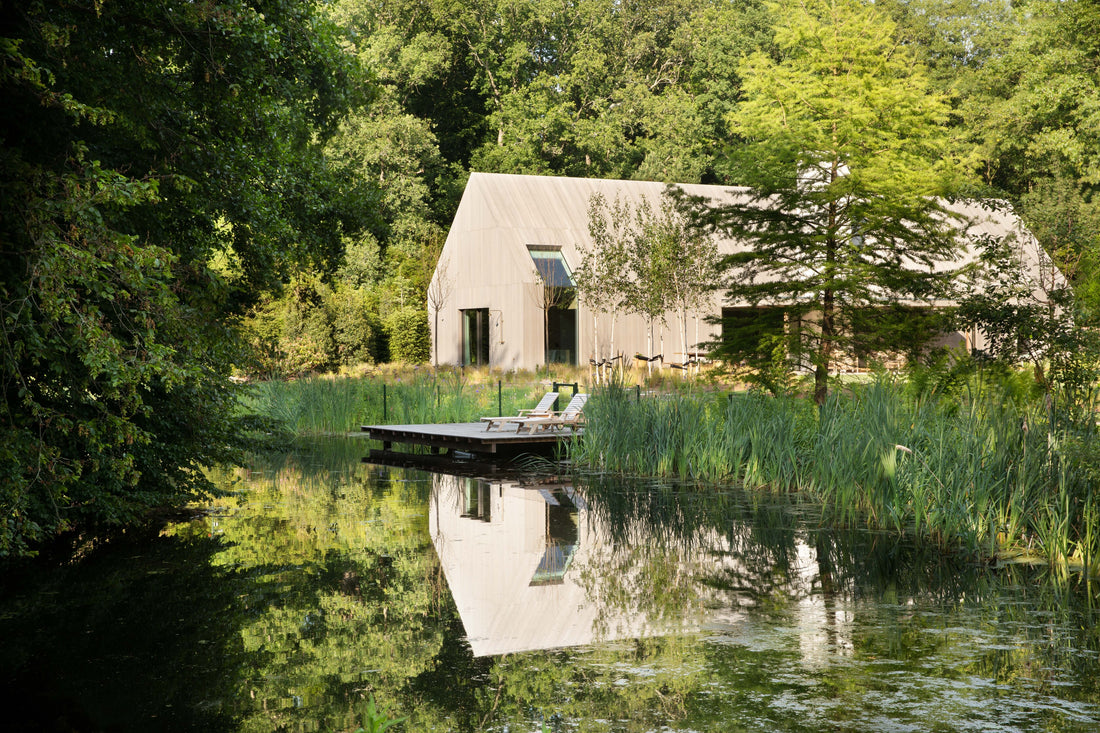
(343, 580)
(375, 721)
(409, 338)
(1031, 113)
(635, 90)
(356, 331)
(327, 405)
(988, 467)
(953, 38)
(845, 148)
(773, 372)
(314, 327)
(157, 175)
(1036, 322)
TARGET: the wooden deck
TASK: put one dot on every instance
(469, 437)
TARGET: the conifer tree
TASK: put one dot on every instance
(846, 154)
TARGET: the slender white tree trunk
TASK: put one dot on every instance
(649, 349)
(682, 323)
(663, 328)
(595, 346)
(614, 317)
(696, 339)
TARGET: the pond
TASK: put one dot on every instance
(530, 603)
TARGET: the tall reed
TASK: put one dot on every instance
(332, 405)
(992, 473)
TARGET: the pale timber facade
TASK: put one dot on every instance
(509, 227)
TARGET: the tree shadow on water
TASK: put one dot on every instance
(142, 634)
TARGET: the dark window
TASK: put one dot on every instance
(562, 538)
(475, 337)
(559, 302)
(478, 500)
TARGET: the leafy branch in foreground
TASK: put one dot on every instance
(157, 173)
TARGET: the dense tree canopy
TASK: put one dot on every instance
(1035, 118)
(647, 90)
(160, 167)
(183, 180)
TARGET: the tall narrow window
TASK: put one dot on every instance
(562, 538)
(475, 337)
(556, 297)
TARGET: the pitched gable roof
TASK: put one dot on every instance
(554, 210)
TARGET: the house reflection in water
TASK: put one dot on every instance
(506, 551)
(529, 567)
(561, 535)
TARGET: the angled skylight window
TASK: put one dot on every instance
(551, 265)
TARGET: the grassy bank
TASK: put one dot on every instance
(322, 405)
(991, 471)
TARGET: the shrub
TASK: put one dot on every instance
(410, 339)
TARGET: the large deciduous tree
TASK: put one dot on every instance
(1034, 114)
(160, 168)
(846, 154)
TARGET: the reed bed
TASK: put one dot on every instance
(326, 405)
(990, 473)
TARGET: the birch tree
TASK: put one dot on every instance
(600, 272)
(659, 261)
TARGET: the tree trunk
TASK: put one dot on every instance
(649, 349)
(825, 351)
(828, 307)
(595, 348)
(614, 316)
(682, 317)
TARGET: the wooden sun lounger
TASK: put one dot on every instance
(544, 408)
(571, 417)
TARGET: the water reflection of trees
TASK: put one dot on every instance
(869, 598)
(761, 544)
(344, 598)
(317, 585)
(860, 616)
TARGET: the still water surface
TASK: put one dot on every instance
(509, 604)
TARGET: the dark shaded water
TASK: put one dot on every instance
(508, 605)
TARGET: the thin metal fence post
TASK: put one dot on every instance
(385, 408)
(500, 399)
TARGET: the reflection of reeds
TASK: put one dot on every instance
(334, 405)
(990, 474)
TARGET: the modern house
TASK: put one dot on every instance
(488, 307)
